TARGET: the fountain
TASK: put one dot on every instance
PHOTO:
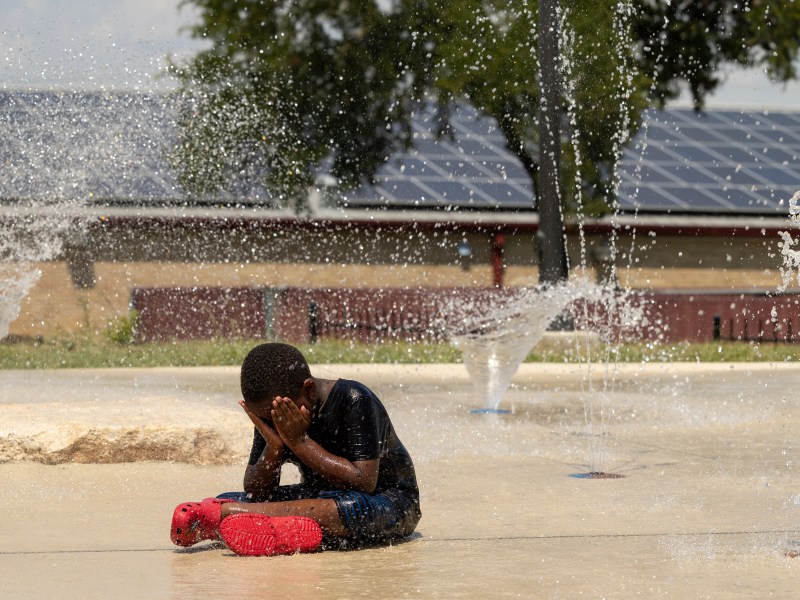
(496, 336)
(74, 155)
(32, 233)
(495, 339)
(790, 269)
(496, 332)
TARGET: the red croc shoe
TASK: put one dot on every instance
(194, 522)
(250, 534)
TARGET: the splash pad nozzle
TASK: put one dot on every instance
(489, 411)
(596, 475)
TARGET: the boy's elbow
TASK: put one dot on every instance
(367, 489)
(367, 485)
(367, 480)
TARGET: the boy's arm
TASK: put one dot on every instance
(292, 424)
(261, 478)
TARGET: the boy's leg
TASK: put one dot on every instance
(323, 510)
(358, 518)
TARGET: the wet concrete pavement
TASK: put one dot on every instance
(708, 505)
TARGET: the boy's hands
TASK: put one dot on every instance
(261, 478)
(290, 421)
(289, 428)
(273, 439)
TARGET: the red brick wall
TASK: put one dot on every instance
(371, 314)
(198, 313)
(705, 317)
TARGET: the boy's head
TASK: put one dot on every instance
(271, 370)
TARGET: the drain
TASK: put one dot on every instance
(596, 475)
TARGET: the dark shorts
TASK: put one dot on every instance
(368, 518)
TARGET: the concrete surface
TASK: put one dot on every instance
(93, 462)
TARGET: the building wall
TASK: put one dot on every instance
(720, 262)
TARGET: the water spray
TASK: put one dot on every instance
(791, 257)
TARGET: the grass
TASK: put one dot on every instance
(83, 353)
(102, 353)
(709, 352)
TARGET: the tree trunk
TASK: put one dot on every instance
(553, 266)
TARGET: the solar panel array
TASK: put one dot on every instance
(111, 148)
(716, 162)
(85, 147)
(470, 168)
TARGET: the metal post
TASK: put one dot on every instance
(498, 259)
(313, 324)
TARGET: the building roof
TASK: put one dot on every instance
(86, 147)
(104, 149)
(717, 162)
(470, 168)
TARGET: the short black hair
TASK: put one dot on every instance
(271, 370)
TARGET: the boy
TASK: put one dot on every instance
(358, 485)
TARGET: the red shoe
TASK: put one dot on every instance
(251, 534)
(194, 522)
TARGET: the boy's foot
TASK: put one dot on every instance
(194, 522)
(251, 534)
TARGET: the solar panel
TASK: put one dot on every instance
(470, 168)
(735, 154)
(111, 148)
(654, 198)
(83, 146)
(719, 162)
(790, 120)
(448, 190)
(779, 176)
(691, 153)
(780, 136)
(458, 168)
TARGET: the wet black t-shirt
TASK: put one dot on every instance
(353, 424)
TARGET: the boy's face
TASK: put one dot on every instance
(263, 410)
